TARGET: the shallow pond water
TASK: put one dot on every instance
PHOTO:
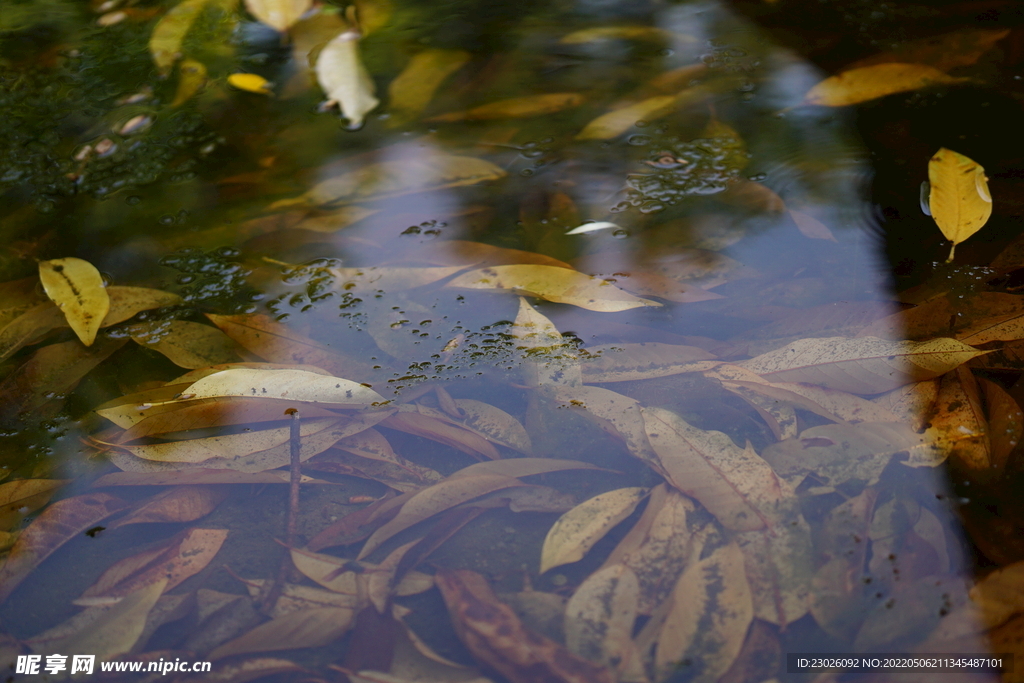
(566, 341)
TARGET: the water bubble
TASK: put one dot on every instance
(132, 200)
(757, 177)
(526, 172)
(639, 140)
(166, 219)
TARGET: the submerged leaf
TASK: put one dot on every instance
(618, 121)
(599, 617)
(411, 91)
(579, 529)
(944, 52)
(959, 200)
(278, 14)
(340, 72)
(294, 630)
(871, 82)
(517, 107)
(77, 287)
(554, 284)
(169, 33)
(185, 343)
(18, 498)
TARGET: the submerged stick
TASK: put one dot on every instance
(292, 519)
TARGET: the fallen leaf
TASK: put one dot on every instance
(863, 365)
(413, 89)
(811, 227)
(517, 107)
(183, 556)
(779, 566)
(911, 403)
(196, 477)
(944, 52)
(711, 609)
(465, 253)
(191, 79)
(186, 344)
(576, 532)
(78, 289)
(736, 485)
(109, 631)
(599, 617)
(442, 496)
(253, 83)
(250, 670)
(169, 33)
(623, 32)
(958, 425)
(300, 386)
(959, 200)
(631, 362)
(179, 504)
(548, 359)
(278, 14)
(871, 82)
(23, 496)
(618, 121)
(1005, 421)
(309, 628)
(493, 634)
(275, 342)
(443, 432)
(493, 423)
(522, 467)
(33, 324)
(388, 280)
(350, 457)
(297, 598)
(344, 79)
(57, 525)
(554, 284)
(621, 413)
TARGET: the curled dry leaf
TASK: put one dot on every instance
(554, 284)
(577, 531)
(344, 79)
(711, 609)
(959, 199)
(57, 524)
(736, 485)
(78, 289)
(493, 634)
(863, 365)
(517, 107)
(871, 82)
(278, 14)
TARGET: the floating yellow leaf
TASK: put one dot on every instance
(278, 14)
(618, 121)
(77, 287)
(579, 529)
(959, 200)
(871, 82)
(560, 285)
(517, 107)
(250, 83)
(344, 79)
(411, 91)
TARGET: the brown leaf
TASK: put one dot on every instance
(576, 532)
(779, 565)
(734, 484)
(274, 342)
(958, 425)
(125, 302)
(442, 496)
(179, 504)
(58, 524)
(811, 227)
(1005, 421)
(186, 344)
(494, 634)
(405, 477)
(309, 628)
(865, 365)
(599, 618)
(184, 555)
(911, 403)
(522, 467)
(944, 52)
(29, 326)
(443, 432)
(196, 477)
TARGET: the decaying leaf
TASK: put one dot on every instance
(518, 107)
(554, 284)
(599, 617)
(344, 79)
(871, 82)
(549, 360)
(579, 529)
(864, 365)
(734, 484)
(959, 200)
(78, 289)
(779, 566)
(278, 14)
(494, 634)
(19, 498)
(179, 504)
(308, 628)
(618, 121)
(711, 609)
(958, 424)
(58, 524)
(944, 52)
(1005, 421)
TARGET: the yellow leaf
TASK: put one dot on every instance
(250, 83)
(169, 33)
(294, 385)
(576, 532)
(373, 14)
(411, 91)
(588, 35)
(191, 78)
(278, 14)
(517, 107)
(344, 79)
(77, 287)
(959, 200)
(618, 121)
(863, 365)
(186, 344)
(871, 82)
(548, 359)
(554, 284)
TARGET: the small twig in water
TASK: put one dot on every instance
(292, 520)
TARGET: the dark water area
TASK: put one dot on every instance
(543, 341)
